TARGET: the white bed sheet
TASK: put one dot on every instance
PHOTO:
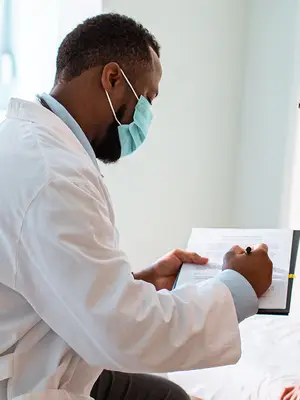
(270, 361)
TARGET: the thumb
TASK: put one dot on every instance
(261, 246)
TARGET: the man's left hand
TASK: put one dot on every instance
(164, 272)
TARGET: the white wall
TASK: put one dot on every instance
(271, 94)
(182, 176)
(71, 13)
(38, 28)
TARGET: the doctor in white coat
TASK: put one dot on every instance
(72, 313)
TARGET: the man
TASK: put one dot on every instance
(71, 309)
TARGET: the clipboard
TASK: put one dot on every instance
(291, 277)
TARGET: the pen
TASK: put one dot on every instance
(248, 250)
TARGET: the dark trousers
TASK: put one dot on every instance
(121, 386)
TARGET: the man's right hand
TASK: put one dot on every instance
(256, 267)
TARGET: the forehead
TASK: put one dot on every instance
(156, 64)
(149, 78)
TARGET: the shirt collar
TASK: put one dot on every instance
(61, 112)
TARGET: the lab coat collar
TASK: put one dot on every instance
(34, 112)
(60, 111)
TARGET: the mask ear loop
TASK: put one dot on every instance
(129, 84)
(112, 108)
(109, 100)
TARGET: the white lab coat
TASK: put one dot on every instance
(69, 304)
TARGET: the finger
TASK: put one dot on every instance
(189, 257)
(286, 395)
(261, 246)
(285, 392)
(288, 389)
(233, 252)
(237, 250)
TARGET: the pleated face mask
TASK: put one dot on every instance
(133, 135)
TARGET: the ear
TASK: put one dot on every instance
(111, 77)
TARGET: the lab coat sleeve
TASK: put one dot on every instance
(244, 297)
(71, 271)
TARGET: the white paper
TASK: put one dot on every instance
(214, 243)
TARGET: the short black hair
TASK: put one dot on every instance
(102, 39)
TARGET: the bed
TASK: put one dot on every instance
(270, 361)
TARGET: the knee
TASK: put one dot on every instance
(176, 392)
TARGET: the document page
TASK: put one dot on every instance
(214, 243)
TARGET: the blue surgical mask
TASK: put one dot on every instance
(133, 135)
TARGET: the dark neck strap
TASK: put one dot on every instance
(43, 103)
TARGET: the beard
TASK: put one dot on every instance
(108, 149)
